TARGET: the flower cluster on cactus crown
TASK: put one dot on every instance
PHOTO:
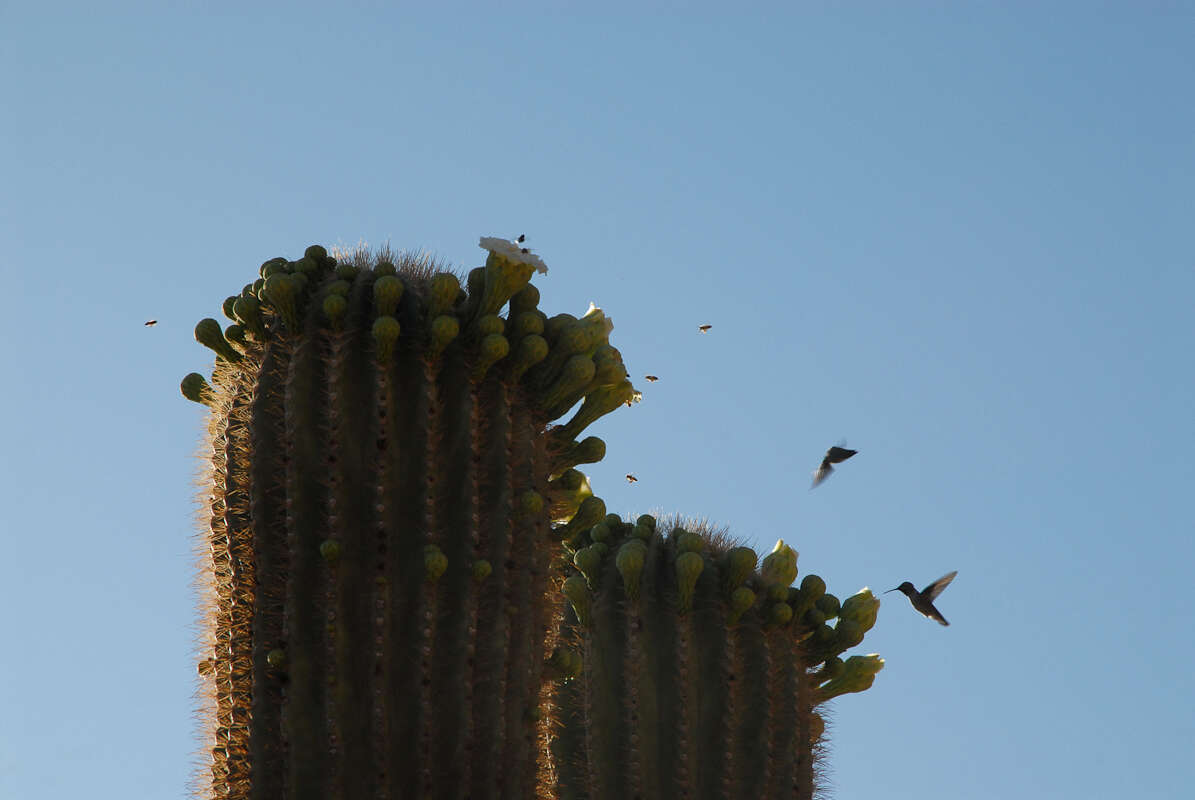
(512, 252)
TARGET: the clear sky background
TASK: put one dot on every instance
(959, 238)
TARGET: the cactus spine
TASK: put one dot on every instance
(381, 491)
(700, 677)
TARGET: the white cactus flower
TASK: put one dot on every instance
(511, 251)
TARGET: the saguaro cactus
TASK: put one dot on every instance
(696, 675)
(378, 531)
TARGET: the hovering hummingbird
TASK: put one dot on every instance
(923, 601)
(835, 455)
(704, 328)
(522, 238)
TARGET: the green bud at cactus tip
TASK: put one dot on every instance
(503, 278)
(444, 329)
(305, 266)
(493, 349)
(597, 404)
(613, 521)
(387, 291)
(227, 308)
(316, 253)
(283, 292)
(600, 532)
(780, 614)
(601, 548)
(565, 391)
(589, 561)
(589, 513)
(646, 520)
(629, 561)
(687, 542)
(530, 351)
(265, 265)
(338, 287)
(827, 604)
(434, 563)
(346, 272)
(777, 593)
(526, 324)
(813, 618)
(531, 503)
(385, 269)
(276, 658)
(858, 674)
(334, 307)
(485, 325)
(589, 451)
(780, 566)
(235, 334)
(738, 564)
(642, 532)
(209, 334)
(442, 292)
(196, 389)
(385, 333)
(847, 634)
(577, 592)
(481, 570)
(330, 550)
(526, 299)
(688, 569)
(741, 599)
(831, 669)
(861, 608)
(247, 309)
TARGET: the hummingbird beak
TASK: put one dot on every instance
(890, 590)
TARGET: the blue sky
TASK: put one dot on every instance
(958, 237)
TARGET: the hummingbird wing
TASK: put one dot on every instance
(821, 473)
(836, 455)
(934, 589)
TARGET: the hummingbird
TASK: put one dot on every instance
(923, 601)
(835, 455)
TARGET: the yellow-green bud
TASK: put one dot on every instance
(827, 604)
(738, 564)
(441, 294)
(530, 503)
(196, 389)
(780, 613)
(385, 269)
(434, 563)
(209, 334)
(387, 291)
(481, 570)
(688, 569)
(741, 599)
(687, 542)
(780, 566)
(858, 674)
(861, 608)
(589, 562)
(444, 329)
(330, 550)
(493, 349)
(629, 561)
(577, 592)
(526, 299)
(334, 307)
(385, 333)
(531, 350)
(276, 658)
(589, 513)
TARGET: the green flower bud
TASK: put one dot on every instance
(444, 330)
(741, 599)
(738, 565)
(629, 561)
(385, 333)
(600, 532)
(434, 563)
(305, 266)
(858, 674)
(847, 634)
(827, 604)
(334, 307)
(209, 334)
(196, 389)
(385, 269)
(481, 570)
(589, 562)
(276, 659)
(526, 299)
(247, 310)
(235, 334)
(589, 513)
(387, 291)
(441, 294)
(780, 566)
(279, 260)
(577, 593)
(861, 608)
(597, 404)
(530, 503)
(647, 520)
(780, 614)
(316, 253)
(588, 451)
(330, 550)
(338, 287)
(687, 542)
(526, 324)
(493, 349)
(346, 271)
(688, 569)
(531, 350)
(564, 393)
(227, 308)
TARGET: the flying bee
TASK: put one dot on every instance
(151, 323)
(522, 238)
(631, 478)
(704, 328)
(651, 378)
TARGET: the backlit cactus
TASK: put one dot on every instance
(700, 675)
(379, 537)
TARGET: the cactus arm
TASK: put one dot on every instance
(752, 704)
(784, 721)
(269, 529)
(496, 508)
(353, 435)
(405, 518)
(455, 516)
(568, 746)
(714, 701)
(305, 424)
